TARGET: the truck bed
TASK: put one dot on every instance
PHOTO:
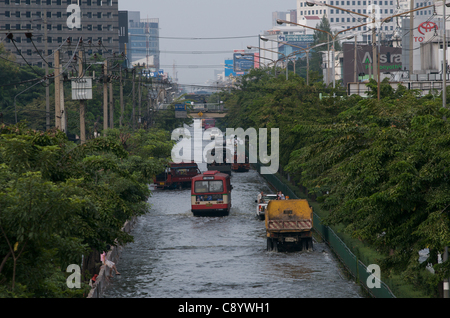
(288, 216)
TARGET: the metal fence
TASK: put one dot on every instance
(354, 266)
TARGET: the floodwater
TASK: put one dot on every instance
(178, 255)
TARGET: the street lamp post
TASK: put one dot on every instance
(374, 51)
(260, 48)
(333, 37)
(244, 54)
(306, 51)
(296, 46)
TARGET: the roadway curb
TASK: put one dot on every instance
(113, 255)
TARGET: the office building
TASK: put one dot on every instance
(143, 40)
(51, 22)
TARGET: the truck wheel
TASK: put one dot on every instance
(304, 244)
(275, 245)
(310, 244)
(269, 244)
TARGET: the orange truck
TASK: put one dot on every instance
(289, 224)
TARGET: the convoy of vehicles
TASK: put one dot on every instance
(262, 205)
(208, 123)
(211, 194)
(289, 224)
(225, 165)
(177, 175)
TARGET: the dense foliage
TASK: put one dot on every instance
(59, 201)
(380, 167)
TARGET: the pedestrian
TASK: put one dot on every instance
(108, 263)
(261, 197)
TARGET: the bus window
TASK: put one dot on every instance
(201, 186)
(216, 186)
(208, 186)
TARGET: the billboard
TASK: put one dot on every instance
(390, 61)
(243, 63)
(229, 68)
(298, 38)
(180, 111)
(123, 26)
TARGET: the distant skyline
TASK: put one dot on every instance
(240, 21)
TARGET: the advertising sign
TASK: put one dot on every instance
(298, 38)
(180, 107)
(390, 61)
(423, 29)
(229, 68)
(242, 63)
(82, 88)
(123, 26)
(180, 111)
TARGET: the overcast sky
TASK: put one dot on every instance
(206, 19)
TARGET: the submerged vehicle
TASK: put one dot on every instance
(208, 123)
(240, 164)
(177, 175)
(289, 224)
(262, 205)
(211, 194)
(225, 165)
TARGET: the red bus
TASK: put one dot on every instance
(211, 194)
(177, 175)
(209, 123)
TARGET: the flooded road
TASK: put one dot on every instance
(178, 255)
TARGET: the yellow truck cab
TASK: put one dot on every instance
(288, 224)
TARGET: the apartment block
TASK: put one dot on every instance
(51, 22)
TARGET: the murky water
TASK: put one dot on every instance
(178, 255)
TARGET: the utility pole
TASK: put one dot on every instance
(61, 103)
(105, 96)
(411, 37)
(355, 64)
(374, 46)
(57, 92)
(111, 104)
(140, 99)
(328, 59)
(133, 73)
(82, 102)
(444, 64)
(47, 82)
(121, 98)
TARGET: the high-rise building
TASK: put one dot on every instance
(143, 41)
(51, 22)
(290, 15)
(343, 19)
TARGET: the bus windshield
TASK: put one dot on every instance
(208, 186)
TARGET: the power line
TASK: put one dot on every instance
(195, 38)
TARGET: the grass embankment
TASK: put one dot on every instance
(368, 255)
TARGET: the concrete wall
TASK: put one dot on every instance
(113, 255)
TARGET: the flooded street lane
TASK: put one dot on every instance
(178, 255)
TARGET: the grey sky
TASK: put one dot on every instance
(206, 19)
